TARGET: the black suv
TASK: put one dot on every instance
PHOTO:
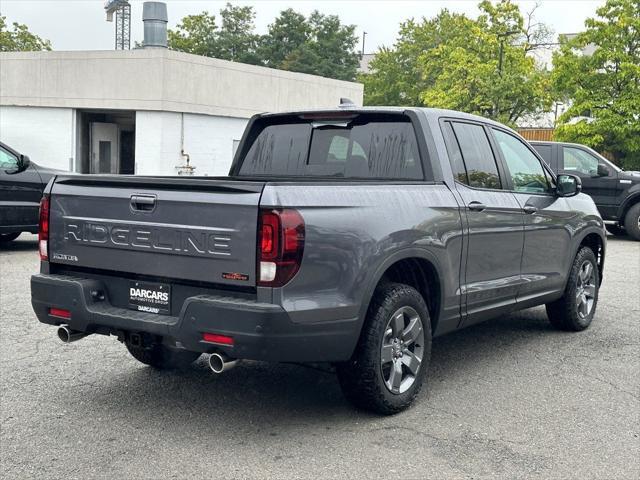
(21, 186)
(615, 192)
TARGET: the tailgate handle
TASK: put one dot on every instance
(143, 203)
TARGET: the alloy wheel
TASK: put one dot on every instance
(585, 289)
(402, 350)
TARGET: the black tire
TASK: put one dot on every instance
(163, 357)
(8, 237)
(615, 229)
(574, 311)
(362, 378)
(632, 222)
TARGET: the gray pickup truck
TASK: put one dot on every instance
(352, 237)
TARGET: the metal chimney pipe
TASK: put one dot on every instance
(154, 17)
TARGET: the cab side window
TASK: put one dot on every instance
(8, 161)
(526, 171)
(579, 161)
(478, 158)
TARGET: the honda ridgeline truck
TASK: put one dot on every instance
(352, 237)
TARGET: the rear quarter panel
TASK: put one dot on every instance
(353, 230)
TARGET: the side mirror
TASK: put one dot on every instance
(603, 171)
(568, 185)
(23, 163)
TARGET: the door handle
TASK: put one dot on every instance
(529, 209)
(143, 203)
(477, 206)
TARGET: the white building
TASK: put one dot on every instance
(144, 111)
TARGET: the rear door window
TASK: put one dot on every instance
(480, 163)
(357, 148)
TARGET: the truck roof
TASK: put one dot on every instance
(427, 111)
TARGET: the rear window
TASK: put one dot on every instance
(361, 147)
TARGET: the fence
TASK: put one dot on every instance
(542, 134)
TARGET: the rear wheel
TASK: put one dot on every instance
(8, 237)
(632, 222)
(575, 310)
(615, 229)
(162, 357)
(392, 356)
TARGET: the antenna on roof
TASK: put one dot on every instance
(346, 103)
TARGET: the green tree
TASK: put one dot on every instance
(598, 74)
(236, 39)
(478, 65)
(320, 45)
(19, 38)
(196, 34)
(288, 33)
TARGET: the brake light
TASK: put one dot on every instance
(217, 338)
(59, 312)
(280, 246)
(43, 229)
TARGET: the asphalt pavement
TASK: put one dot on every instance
(510, 398)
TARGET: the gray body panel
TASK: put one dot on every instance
(196, 235)
(486, 262)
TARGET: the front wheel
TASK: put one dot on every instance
(8, 237)
(575, 310)
(632, 222)
(392, 356)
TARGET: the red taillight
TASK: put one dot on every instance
(281, 244)
(269, 237)
(217, 338)
(43, 229)
(59, 312)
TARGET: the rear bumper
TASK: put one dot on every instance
(261, 331)
(19, 228)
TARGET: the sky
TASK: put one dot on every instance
(81, 24)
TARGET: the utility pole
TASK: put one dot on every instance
(364, 34)
(502, 37)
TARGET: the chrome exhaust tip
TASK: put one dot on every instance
(220, 362)
(66, 335)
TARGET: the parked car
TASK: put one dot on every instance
(21, 185)
(615, 191)
(352, 237)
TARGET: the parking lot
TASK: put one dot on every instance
(511, 398)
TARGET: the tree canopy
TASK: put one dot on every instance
(234, 40)
(319, 44)
(597, 73)
(477, 65)
(19, 38)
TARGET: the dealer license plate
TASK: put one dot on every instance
(150, 297)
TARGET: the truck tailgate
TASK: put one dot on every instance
(178, 228)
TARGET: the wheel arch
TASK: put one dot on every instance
(415, 267)
(629, 202)
(596, 241)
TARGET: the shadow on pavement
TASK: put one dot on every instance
(256, 393)
(22, 243)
